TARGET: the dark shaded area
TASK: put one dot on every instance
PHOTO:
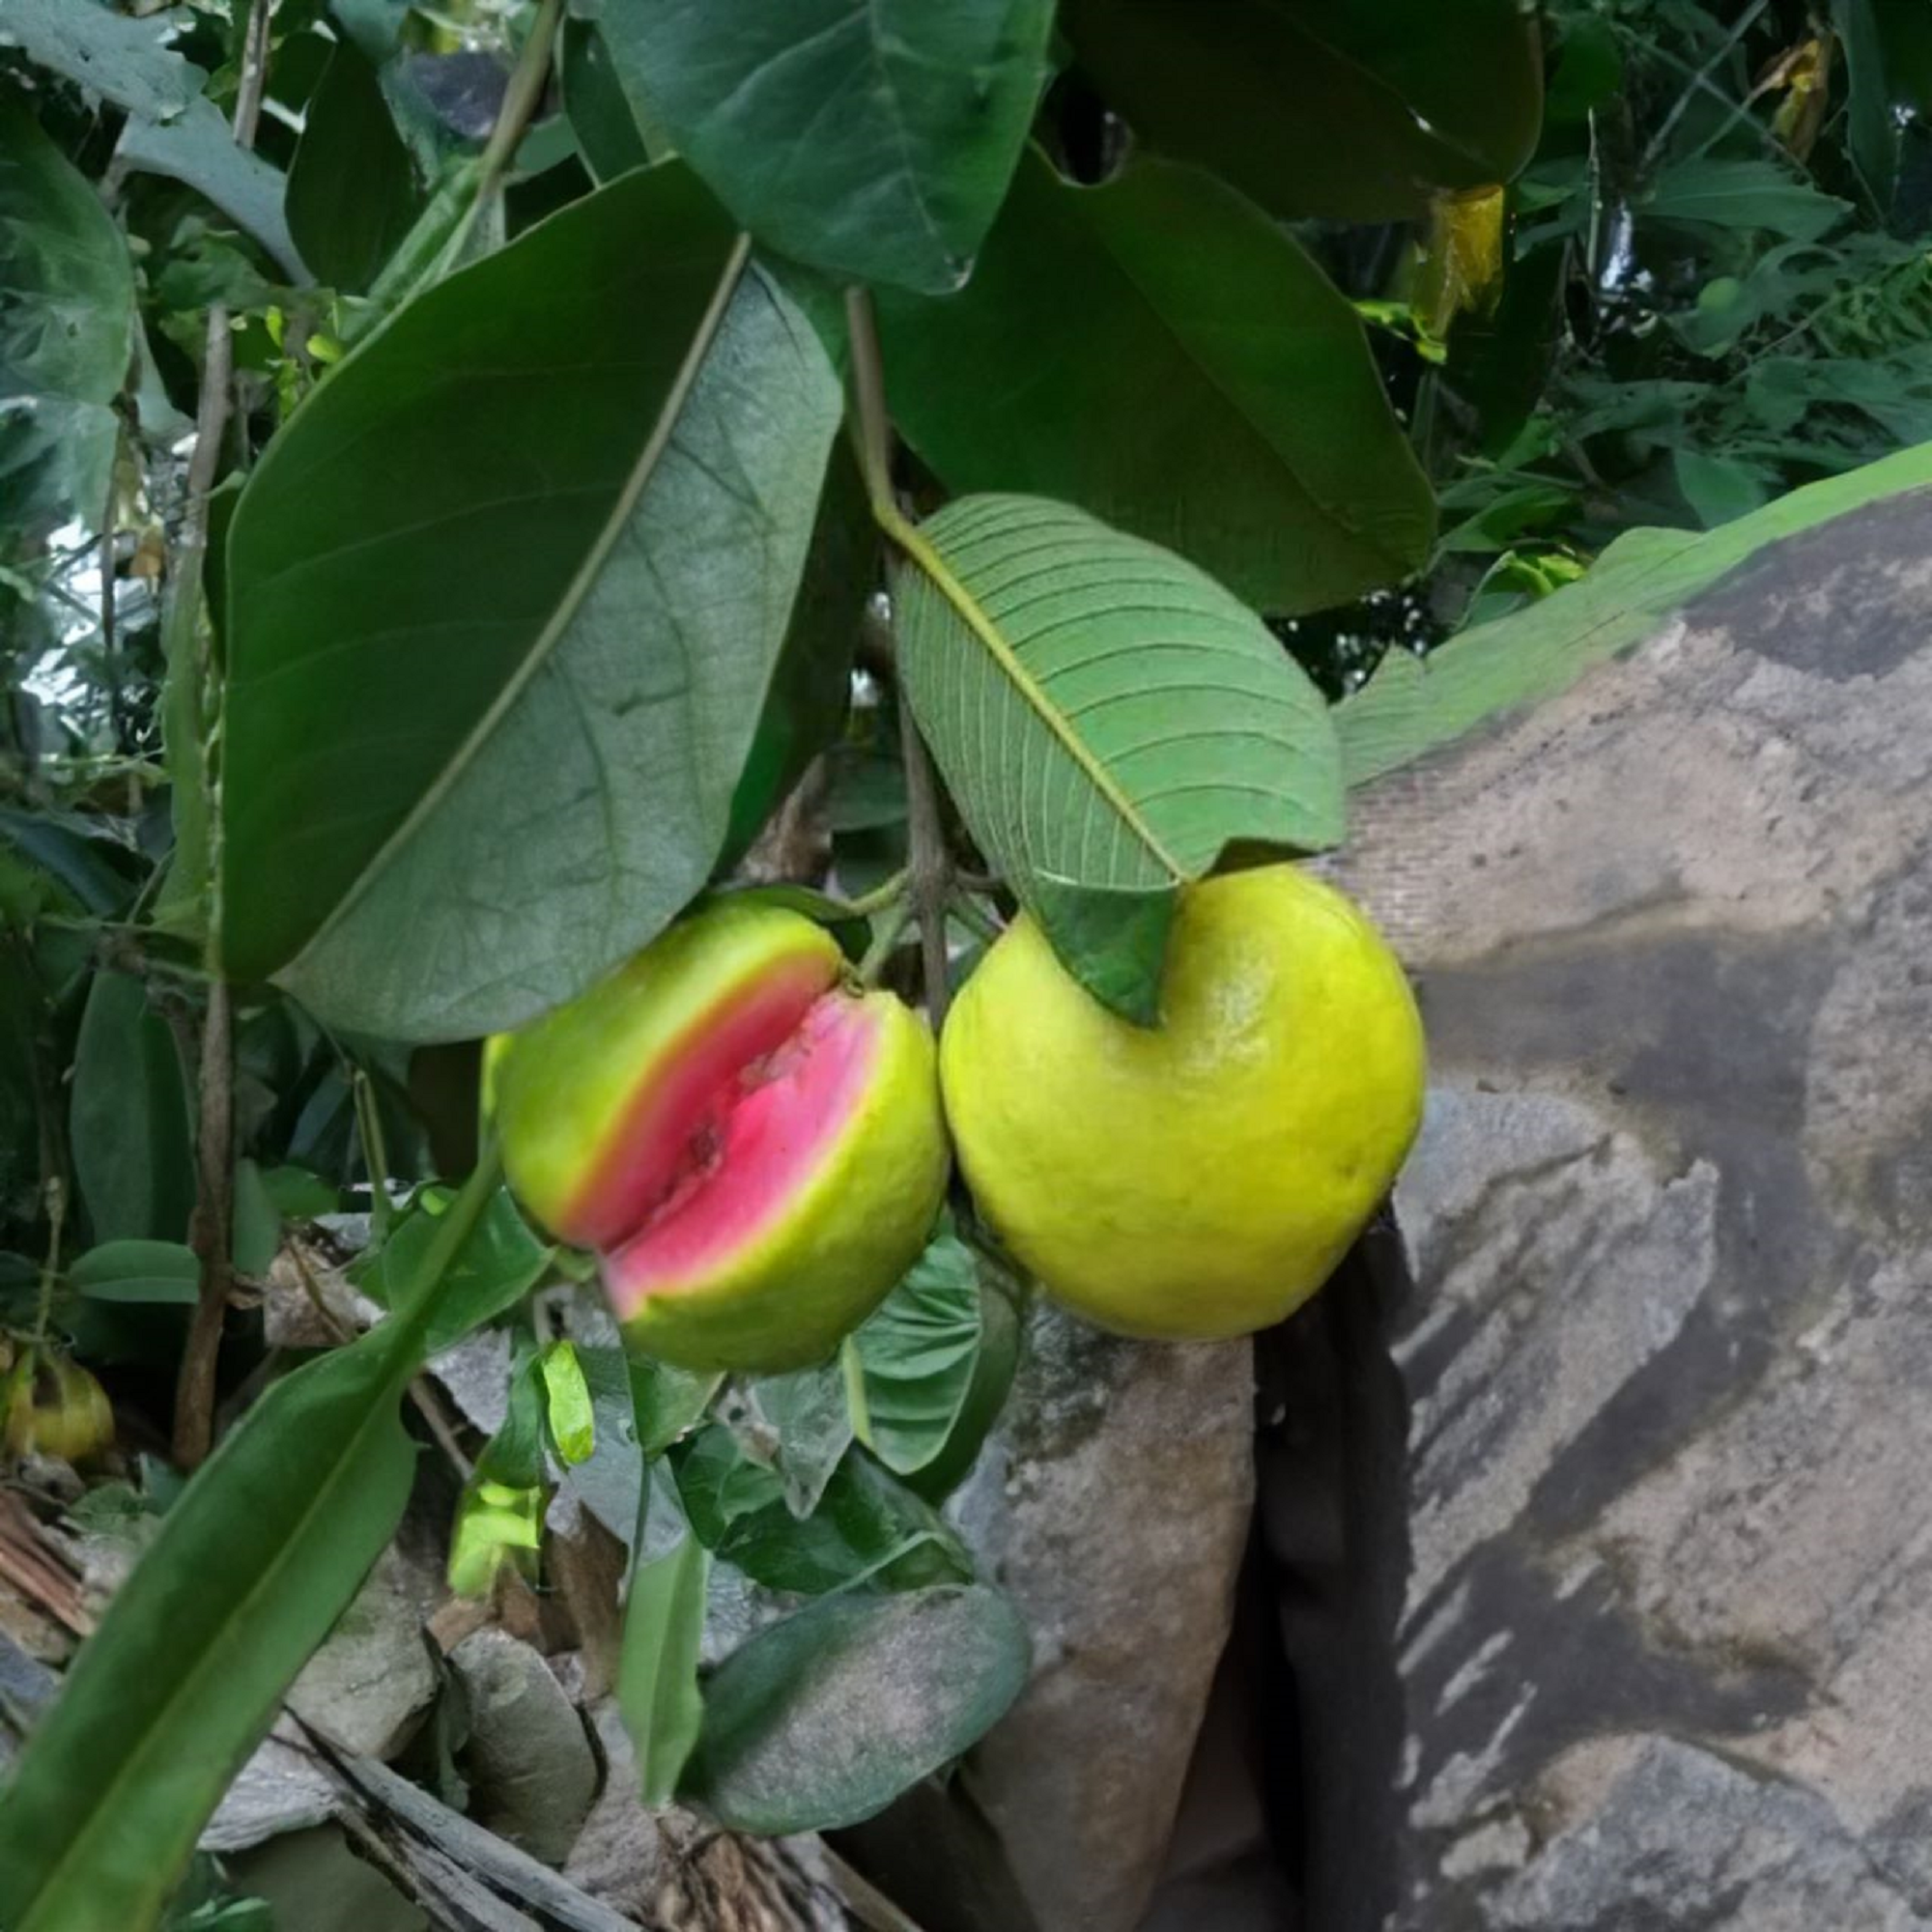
(1331, 1460)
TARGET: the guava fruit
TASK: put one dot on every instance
(1199, 1177)
(753, 1146)
(51, 1406)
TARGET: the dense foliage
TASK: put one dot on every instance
(432, 555)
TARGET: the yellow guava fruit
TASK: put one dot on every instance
(753, 1146)
(1203, 1177)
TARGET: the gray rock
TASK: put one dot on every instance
(673, 1870)
(281, 1788)
(532, 1770)
(1114, 1503)
(368, 1686)
(1658, 1653)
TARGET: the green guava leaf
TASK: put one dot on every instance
(603, 110)
(573, 1427)
(823, 1719)
(670, 1401)
(351, 188)
(867, 1524)
(1323, 106)
(254, 1562)
(806, 1412)
(255, 1226)
(138, 1271)
(936, 1363)
(1108, 719)
(871, 138)
(128, 1123)
(499, 1263)
(66, 333)
(1160, 353)
(567, 498)
(664, 1625)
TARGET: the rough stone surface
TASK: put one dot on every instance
(671, 1869)
(368, 1686)
(281, 1788)
(1661, 1647)
(531, 1771)
(1114, 1504)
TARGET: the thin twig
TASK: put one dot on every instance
(1699, 82)
(929, 864)
(929, 874)
(430, 1407)
(210, 1229)
(872, 432)
(521, 99)
(110, 649)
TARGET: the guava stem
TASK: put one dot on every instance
(885, 941)
(931, 863)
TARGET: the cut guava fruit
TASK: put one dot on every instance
(756, 1152)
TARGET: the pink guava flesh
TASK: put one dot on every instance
(647, 1153)
(748, 1151)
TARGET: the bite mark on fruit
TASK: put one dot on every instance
(744, 1156)
(677, 1099)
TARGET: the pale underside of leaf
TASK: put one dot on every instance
(642, 669)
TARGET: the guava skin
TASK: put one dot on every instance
(620, 1117)
(1200, 1179)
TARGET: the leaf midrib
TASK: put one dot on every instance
(575, 594)
(1006, 659)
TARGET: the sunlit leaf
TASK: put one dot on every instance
(1109, 721)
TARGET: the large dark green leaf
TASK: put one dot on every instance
(935, 1364)
(565, 499)
(1323, 106)
(812, 682)
(872, 138)
(1751, 194)
(128, 1121)
(602, 113)
(1161, 353)
(66, 333)
(352, 191)
(1413, 706)
(664, 1625)
(865, 1524)
(1109, 721)
(823, 1719)
(253, 1564)
(138, 1271)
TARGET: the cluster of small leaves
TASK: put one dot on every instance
(529, 568)
(1717, 286)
